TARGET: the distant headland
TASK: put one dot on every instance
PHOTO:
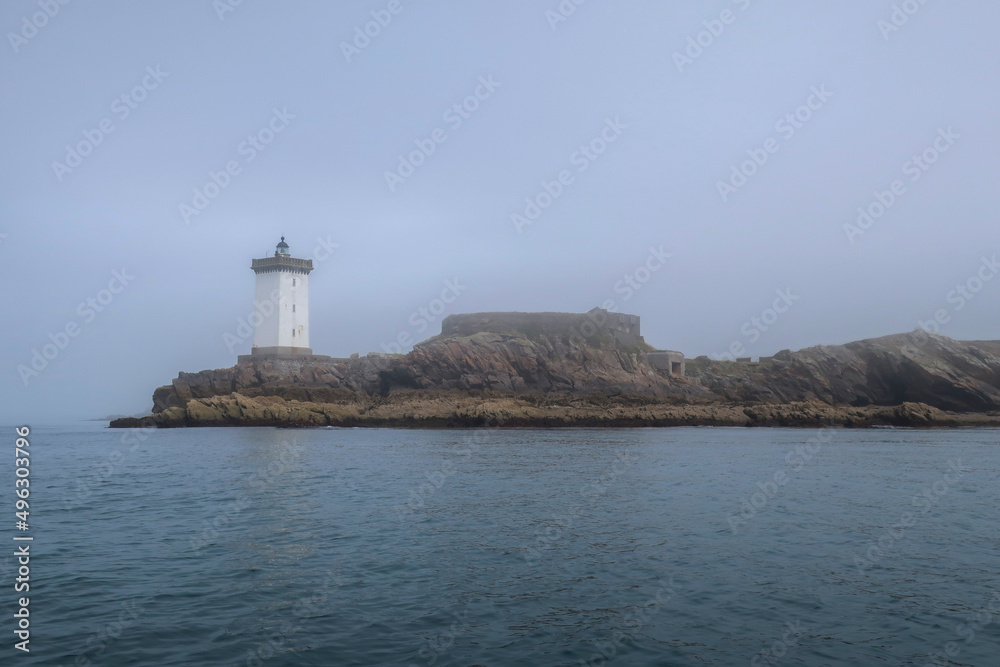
(523, 376)
(569, 369)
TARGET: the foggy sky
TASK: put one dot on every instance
(611, 118)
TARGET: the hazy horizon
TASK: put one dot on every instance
(612, 120)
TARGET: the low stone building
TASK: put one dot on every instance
(669, 361)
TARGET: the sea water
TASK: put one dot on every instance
(673, 546)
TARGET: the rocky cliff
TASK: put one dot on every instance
(915, 367)
(543, 379)
(538, 363)
(315, 381)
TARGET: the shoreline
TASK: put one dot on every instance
(458, 411)
(541, 426)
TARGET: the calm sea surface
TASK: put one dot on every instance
(684, 546)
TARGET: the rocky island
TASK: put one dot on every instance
(592, 369)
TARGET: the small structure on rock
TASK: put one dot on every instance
(669, 361)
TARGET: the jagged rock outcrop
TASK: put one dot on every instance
(905, 379)
(915, 367)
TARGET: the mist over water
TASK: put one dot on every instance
(745, 177)
(542, 155)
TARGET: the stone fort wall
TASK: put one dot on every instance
(623, 327)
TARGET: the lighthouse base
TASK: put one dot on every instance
(277, 352)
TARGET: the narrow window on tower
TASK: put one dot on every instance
(293, 333)
(293, 282)
(293, 307)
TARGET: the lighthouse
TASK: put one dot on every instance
(283, 281)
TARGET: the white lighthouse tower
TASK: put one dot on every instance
(282, 280)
